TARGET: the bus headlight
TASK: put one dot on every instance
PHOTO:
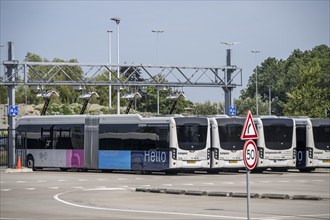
(173, 152)
(216, 153)
(310, 152)
(261, 152)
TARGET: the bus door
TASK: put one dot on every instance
(301, 149)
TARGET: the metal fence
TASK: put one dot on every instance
(20, 147)
(4, 141)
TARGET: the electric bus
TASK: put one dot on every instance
(313, 143)
(276, 143)
(116, 142)
(227, 146)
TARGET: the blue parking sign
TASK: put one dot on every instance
(232, 110)
(13, 110)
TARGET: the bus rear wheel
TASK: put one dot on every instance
(30, 162)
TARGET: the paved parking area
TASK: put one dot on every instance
(94, 195)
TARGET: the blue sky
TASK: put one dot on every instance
(192, 34)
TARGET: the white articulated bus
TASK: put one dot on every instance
(276, 143)
(116, 142)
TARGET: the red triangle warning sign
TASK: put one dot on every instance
(249, 131)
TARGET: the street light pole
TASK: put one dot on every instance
(157, 32)
(117, 20)
(1, 45)
(255, 57)
(270, 99)
(109, 57)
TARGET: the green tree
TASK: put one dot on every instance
(311, 96)
(208, 108)
(3, 93)
(244, 105)
(288, 77)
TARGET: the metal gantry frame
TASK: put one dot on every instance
(31, 74)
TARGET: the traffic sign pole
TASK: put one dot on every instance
(250, 157)
(248, 192)
(250, 154)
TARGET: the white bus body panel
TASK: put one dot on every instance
(48, 158)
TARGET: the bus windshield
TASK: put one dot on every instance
(322, 137)
(191, 133)
(278, 133)
(229, 135)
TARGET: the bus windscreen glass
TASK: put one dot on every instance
(192, 136)
(322, 137)
(230, 137)
(278, 134)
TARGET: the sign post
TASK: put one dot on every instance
(250, 153)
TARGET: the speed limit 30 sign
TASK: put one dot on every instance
(250, 154)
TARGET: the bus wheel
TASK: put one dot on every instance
(30, 162)
(306, 170)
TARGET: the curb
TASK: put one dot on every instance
(175, 191)
(275, 196)
(306, 197)
(196, 193)
(228, 194)
(21, 170)
(223, 194)
(157, 190)
(244, 195)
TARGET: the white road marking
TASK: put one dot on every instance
(42, 181)
(57, 198)
(167, 184)
(5, 190)
(317, 180)
(102, 179)
(230, 183)
(145, 185)
(30, 188)
(53, 187)
(208, 184)
(5, 218)
(187, 184)
(77, 187)
(82, 180)
(20, 181)
(62, 180)
(283, 181)
(293, 216)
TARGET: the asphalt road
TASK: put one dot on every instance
(94, 195)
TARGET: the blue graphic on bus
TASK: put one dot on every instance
(150, 160)
(114, 159)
